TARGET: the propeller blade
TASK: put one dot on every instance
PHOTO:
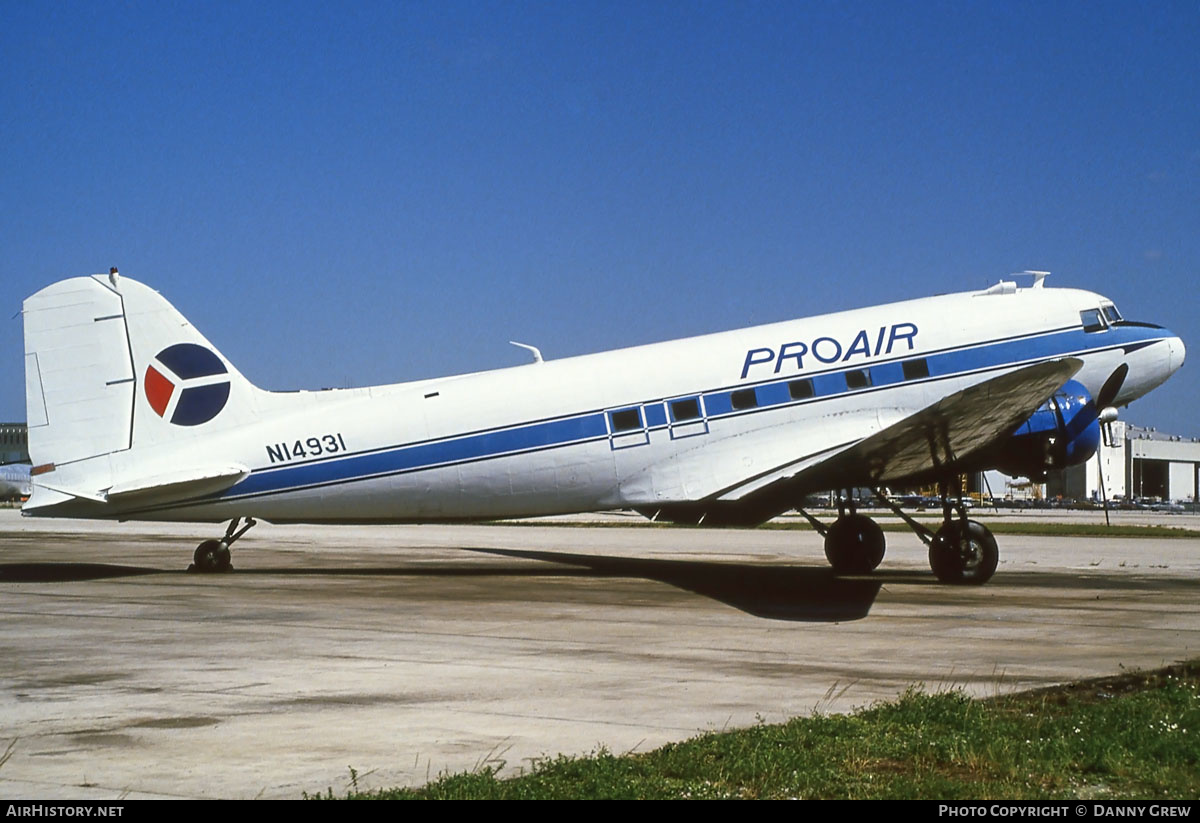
(1112, 386)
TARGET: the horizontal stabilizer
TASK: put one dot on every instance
(177, 485)
(159, 488)
(50, 495)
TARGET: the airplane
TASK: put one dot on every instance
(134, 415)
(14, 481)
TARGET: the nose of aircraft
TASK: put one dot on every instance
(1177, 353)
(1150, 366)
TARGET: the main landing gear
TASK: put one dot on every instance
(962, 551)
(854, 544)
(213, 555)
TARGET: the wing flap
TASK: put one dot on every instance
(712, 468)
(781, 473)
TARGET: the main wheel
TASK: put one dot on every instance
(212, 556)
(854, 544)
(966, 556)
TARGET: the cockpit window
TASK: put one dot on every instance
(1112, 314)
(1092, 320)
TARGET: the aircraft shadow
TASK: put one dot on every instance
(67, 572)
(774, 592)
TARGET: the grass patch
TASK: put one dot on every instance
(1134, 736)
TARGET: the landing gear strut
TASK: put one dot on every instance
(213, 555)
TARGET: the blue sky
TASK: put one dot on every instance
(358, 193)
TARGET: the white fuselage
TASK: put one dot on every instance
(642, 426)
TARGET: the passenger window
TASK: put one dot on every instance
(625, 420)
(1092, 320)
(915, 369)
(685, 409)
(858, 379)
(743, 399)
(800, 389)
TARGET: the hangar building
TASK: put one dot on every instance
(1138, 463)
(14, 443)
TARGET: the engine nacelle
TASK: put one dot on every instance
(1064, 431)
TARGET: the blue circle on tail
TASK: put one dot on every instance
(190, 362)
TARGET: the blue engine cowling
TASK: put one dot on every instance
(1064, 431)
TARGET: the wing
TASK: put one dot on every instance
(945, 436)
(938, 439)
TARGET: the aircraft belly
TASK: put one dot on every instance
(570, 478)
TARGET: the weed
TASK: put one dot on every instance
(1125, 737)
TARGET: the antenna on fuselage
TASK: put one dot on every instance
(1039, 277)
(537, 353)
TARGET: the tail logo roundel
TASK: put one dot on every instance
(188, 381)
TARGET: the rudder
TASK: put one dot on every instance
(79, 378)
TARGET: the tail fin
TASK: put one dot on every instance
(110, 367)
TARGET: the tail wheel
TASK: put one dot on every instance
(212, 556)
(963, 553)
(854, 544)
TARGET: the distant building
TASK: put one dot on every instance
(14, 443)
(1138, 463)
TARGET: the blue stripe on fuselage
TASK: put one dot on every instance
(425, 455)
